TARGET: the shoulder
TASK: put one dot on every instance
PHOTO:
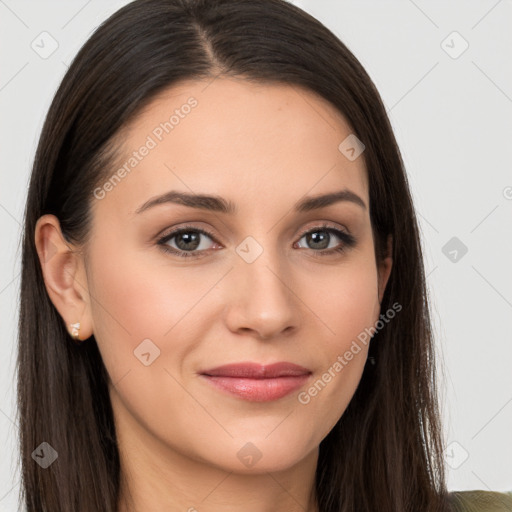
(480, 501)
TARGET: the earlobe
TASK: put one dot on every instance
(64, 276)
(385, 267)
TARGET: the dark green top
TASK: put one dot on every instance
(481, 501)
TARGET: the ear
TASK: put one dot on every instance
(384, 269)
(64, 275)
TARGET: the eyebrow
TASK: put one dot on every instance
(221, 205)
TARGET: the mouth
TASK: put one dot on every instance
(256, 382)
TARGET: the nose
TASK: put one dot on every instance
(261, 299)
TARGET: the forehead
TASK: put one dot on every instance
(236, 138)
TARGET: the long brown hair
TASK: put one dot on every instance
(385, 452)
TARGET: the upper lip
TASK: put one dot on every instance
(257, 370)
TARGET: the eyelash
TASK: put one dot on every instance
(348, 241)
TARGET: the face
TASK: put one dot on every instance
(267, 282)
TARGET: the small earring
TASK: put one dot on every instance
(75, 330)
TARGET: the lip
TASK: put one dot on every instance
(256, 382)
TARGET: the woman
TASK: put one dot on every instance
(223, 301)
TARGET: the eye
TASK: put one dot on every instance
(188, 239)
(319, 239)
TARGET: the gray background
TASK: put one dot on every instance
(451, 112)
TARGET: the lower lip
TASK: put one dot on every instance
(258, 390)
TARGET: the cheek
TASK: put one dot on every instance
(149, 301)
(347, 307)
(133, 301)
(346, 301)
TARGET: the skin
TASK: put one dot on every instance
(178, 435)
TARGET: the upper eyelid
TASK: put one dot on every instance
(326, 225)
